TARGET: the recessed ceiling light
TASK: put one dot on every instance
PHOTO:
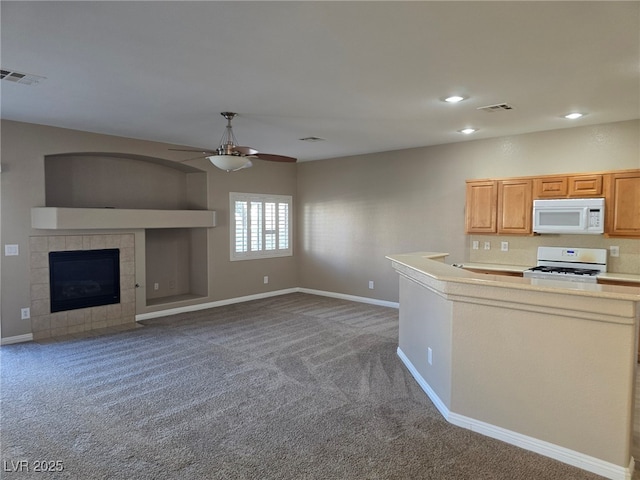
(454, 99)
(574, 115)
(468, 131)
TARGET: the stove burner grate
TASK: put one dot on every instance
(566, 270)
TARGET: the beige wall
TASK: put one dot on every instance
(522, 250)
(349, 212)
(424, 322)
(536, 373)
(353, 211)
(24, 147)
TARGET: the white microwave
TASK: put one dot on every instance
(569, 215)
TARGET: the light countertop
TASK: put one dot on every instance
(497, 267)
(623, 277)
(423, 263)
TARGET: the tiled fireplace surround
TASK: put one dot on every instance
(45, 324)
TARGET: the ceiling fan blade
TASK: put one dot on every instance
(204, 152)
(194, 158)
(245, 150)
(228, 147)
(275, 158)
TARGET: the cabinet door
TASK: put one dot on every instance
(480, 212)
(550, 187)
(585, 186)
(623, 204)
(619, 283)
(515, 205)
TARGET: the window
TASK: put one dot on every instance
(261, 225)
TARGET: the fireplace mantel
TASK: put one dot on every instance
(60, 218)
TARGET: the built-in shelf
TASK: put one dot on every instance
(100, 191)
(61, 218)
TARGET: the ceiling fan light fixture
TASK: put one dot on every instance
(226, 158)
(230, 163)
(230, 156)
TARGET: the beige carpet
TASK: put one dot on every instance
(292, 387)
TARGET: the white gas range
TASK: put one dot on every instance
(570, 264)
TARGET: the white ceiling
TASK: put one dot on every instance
(365, 76)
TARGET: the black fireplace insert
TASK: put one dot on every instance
(84, 278)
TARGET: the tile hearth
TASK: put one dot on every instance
(45, 324)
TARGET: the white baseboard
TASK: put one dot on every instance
(258, 296)
(218, 303)
(27, 337)
(562, 454)
(442, 408)
(203, 306)
(353, 298)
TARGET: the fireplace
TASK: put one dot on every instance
(84, 278)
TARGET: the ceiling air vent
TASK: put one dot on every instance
(498, 107)
(312, 139)
(19, 77)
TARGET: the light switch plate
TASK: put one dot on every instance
(11, 250)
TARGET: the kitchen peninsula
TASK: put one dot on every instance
(545, 365)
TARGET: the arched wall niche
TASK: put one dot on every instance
(124, 181)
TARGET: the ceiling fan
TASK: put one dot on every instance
(231, 157)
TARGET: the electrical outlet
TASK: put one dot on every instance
(430, 356)
(487, 245)
(371, 284)
(504, 246)
(25, 313)
(614, 251)
(266, 279)
(156, 286)
(475, 245)
(11, 250)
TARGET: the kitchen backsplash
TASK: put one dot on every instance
(522, 250)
